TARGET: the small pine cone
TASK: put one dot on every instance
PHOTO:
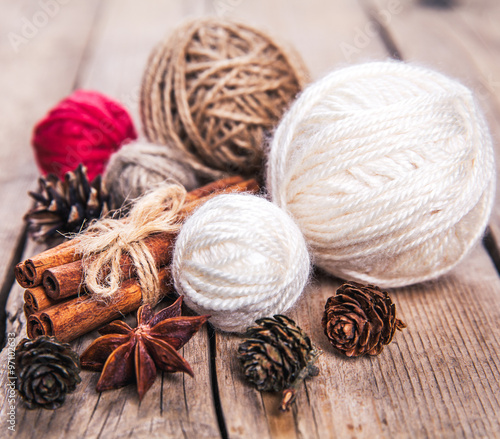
(275, 353)
(46, 371)
(68, 206)
(360, 319)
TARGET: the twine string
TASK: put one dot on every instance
(107, 240)
(214, 90)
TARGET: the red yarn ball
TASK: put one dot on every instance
(86, 127)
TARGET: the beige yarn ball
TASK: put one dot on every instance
(388, 169)
(215, 90)
(137, 167)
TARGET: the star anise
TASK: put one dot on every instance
(124, 353)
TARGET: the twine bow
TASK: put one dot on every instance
(107, 240)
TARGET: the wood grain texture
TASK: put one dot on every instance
(176, 405)
(435, 379)
(438, 378)
(32, 55)
(123, 40)
(323, 32)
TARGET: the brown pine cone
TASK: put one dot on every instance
(360, 319)
(46, 370)
(65, 207)
(274, 352)
(278, 355)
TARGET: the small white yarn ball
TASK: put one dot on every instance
(239, 258)
(388, 170)
(139, 166)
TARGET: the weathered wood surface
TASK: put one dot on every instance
(383, 396)
(31, 58)
(439, 378)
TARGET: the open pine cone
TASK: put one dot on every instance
(360, 320)
(65, 206)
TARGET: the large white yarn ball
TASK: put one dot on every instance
(388, 170)
(238, 258)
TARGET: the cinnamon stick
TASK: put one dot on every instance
(27, 311)
(20, 274)
(213, 187)
(250, 186)
(63, 281)
(35, 300)
(66, 280)
(72, 318)
(35, 327)
(30, 272)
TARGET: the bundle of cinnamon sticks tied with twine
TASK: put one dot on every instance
(81, 284)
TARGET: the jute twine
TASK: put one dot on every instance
(105, 241)
(215, 90)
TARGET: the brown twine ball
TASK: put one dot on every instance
(215, 90)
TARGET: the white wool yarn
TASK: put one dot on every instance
(388, 170)
(238, 258)
(140, 166)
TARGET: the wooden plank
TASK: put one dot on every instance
(462, 42)
(409, 390)
(33, 52)
(438, 378)
(326, 35)
(124, 41)
(173, 407)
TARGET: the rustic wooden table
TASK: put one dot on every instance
(439, 378)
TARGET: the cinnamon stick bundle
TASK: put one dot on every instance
(67, 280)
(56, 275)
(29, 273)
(69, 319)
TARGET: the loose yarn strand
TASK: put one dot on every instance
(107, 240)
